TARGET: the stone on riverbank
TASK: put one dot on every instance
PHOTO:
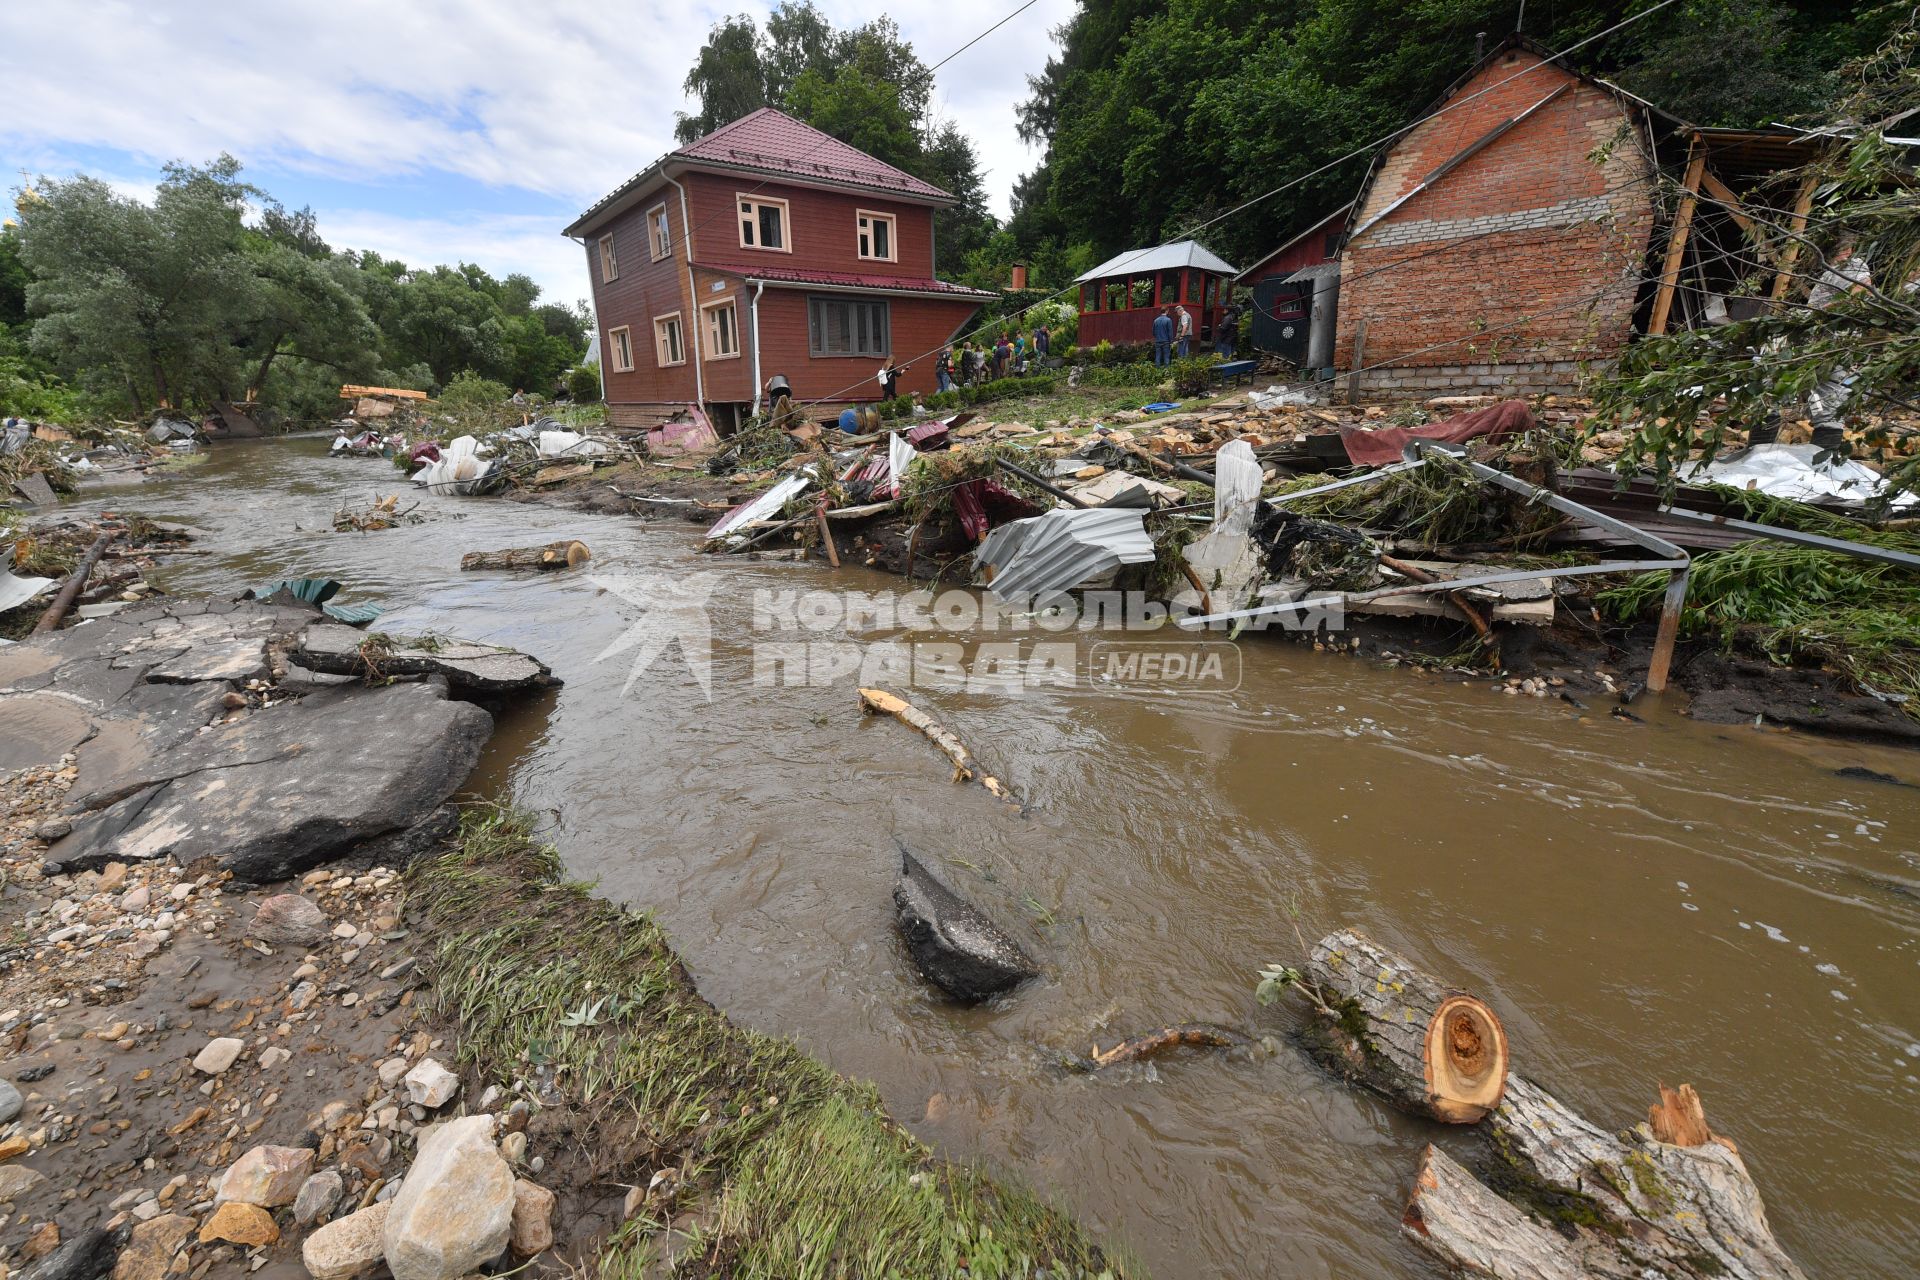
(455, 1207)
(347, 1246)
(431, 1085)
(219, 1054)
(952, 942)
(238, 1223)
(317, 1198)
(267, 1176)
(10, 1102)
(290, 918)
(532, 1231)
(151, 1247)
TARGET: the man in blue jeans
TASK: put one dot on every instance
(1183, 330)
(1162, 338)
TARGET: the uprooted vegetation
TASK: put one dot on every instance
(1793, 603)
(776, 1166)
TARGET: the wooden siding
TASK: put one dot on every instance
(1135, 324)
(918, 328)
(823, 231)
(644, 289)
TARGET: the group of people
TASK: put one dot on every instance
(1012, 353)
(1173, 333)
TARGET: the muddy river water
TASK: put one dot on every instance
(1662, 901)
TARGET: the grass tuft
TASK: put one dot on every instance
(793, 1172)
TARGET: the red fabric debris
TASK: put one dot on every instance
(1377, 448)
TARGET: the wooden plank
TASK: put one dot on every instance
(1677, 239)
(352, 392)
(1724, 194)
(1802, 206)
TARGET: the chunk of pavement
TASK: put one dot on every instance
(431, 1085)
(244, 791)
(238, 1223)
(87, 1256)
(532, 1232)
(10, 1102)
(268, 1176)
(220, 1053)
(318, 1195)
(291, 918)
(952, 942)
(454, 1211)
(151, 1247)
(347, 1246)
(341, 650)
(17, 1179)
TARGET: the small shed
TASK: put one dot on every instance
(1120, 297)
(1295, 288)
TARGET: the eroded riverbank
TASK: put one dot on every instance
(1641, 901)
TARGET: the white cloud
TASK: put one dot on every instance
(565, 100)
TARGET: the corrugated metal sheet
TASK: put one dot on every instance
(1049, 555)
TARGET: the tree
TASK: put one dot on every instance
(727, 78)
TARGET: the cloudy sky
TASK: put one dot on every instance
(431, 130)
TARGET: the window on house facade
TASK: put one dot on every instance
(847, 327)
(877, 236)
(723, 330)
(1213, 292)
(620, 353)
(609, 265)
(669, 343)
(763, 224)
(660, 235)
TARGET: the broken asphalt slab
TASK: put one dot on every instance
(953, 944)
(178, 755)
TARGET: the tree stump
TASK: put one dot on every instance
(564, 554)
(1425, 1047)
(1576, 1201)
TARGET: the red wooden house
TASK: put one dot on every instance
(1295, 288)
(766, 248)
(1120, 297)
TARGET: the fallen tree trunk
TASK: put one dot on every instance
(1576, 1201)
(564, 554)
(1427, 1048)
(70, 589)
(964, 766)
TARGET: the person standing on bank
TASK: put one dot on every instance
(888, 378)
(1162, 337)
(943, 370)
(1183, 330)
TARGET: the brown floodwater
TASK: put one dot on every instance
(1664, 901)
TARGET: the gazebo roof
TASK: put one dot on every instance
(1166, 257)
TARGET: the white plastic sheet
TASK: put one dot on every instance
(568, 444)
(763, 506)
(1789, 471)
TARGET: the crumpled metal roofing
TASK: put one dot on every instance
(1048, 555)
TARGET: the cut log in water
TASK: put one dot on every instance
(1427, 1048)
(1576, 1201)
(564, 554)
(964, 765)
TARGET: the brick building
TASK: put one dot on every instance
(1500, 245)
(765, 248)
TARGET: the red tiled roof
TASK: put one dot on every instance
(850, 280)
(773, 142)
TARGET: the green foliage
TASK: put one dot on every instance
(1140, 373)
(1157, 117)
(583, 384)
(468, 390)
(864, 85)
(183, 301)
(1193, 376)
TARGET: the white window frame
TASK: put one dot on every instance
(743, 219)
(609, 261)
(617, 339)
(862, 235)
(659, 232)
(709, 313)
(659, 340)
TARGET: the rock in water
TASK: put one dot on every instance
(455, 1207)
(266, 1176)
(290, 918)
(952, 943)
(347, 1246)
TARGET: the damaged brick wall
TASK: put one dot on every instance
(1518, 265)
